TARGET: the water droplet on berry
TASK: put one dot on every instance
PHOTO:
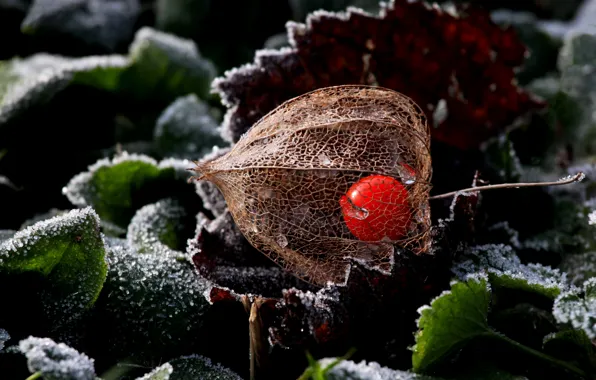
(356, 212)
(406, 174)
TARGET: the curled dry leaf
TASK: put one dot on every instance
(338, 174)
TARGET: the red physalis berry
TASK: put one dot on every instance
(376, 208)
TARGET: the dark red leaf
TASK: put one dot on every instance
(424, 52)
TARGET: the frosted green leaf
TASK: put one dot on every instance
(56, 361)
(199, 367)
(451, 321)
(69, 253)
(574, 346)
(579, 267)
(505, 270)
(35, 80)
(101, 25)
(160, 228)
(349, 370)
(165, 67)
(163, 372)
(159, 68)
(187, 129)
(151, 303)
(117, 187)
(579, 312)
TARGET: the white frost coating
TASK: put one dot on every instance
(201, 367)
(152, 220)
(41, 76)
(579, 313)
(592, 218)
(56, 360)
(56, 225)
(347, 369)
(181, 50)
(4, 337)
(514, 235)
(579, 267)
(501, 260)
(79, 189)
(152, 300)
(162, 372)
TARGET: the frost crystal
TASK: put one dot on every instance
(200, 367)
(505, 268)
(579, 267)
(4, 337)
(163, 372)
(347, 369)
(186, 128)
(152, 301)
(155, 225)
(56, 361)
(580, 313)
(592, 218)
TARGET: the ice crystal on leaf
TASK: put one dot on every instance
(4, 337)
(349, 370)
(193, 367)
(461, 57)
(68, 252)
(163, 372)
(151, 302)
(56, 361)
(579, 267)
(158, 228)
(578, 311)
(505, 269)
(117, 187)
(186, 128)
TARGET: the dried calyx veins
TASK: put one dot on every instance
(334, 175)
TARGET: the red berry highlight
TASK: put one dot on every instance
(376, 208)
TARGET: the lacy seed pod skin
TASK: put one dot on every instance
(287, 181)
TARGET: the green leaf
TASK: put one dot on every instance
(56, 361)
(199, 367)
(187, 129)
(68, 252)
(505, 270)
(103, 26)
(451, 321)
(573, 346)
(116, 188)
(163, 372)
(151, 304)
(579, 312)
(457, 317)
(158, 69)
(161, 227)
(165, 67)
(35, 80)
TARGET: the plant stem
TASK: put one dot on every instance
(530, 351)
(36, 375)
(576, 178)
